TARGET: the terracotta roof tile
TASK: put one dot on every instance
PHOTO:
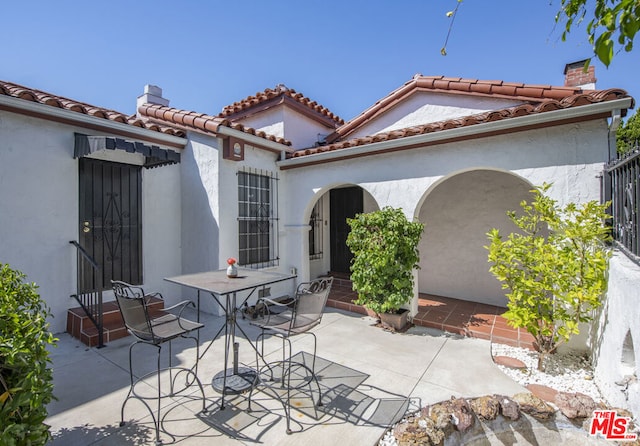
(281, 91)
(199, 121)
(536, 107)
(48, 99)
(530, 93)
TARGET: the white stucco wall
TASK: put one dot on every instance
(569, 156)
(284, 122)
(619, 318)
(39, 202)
(39, 207)
(425, 107)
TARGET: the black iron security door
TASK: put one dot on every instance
(345, 203)
(110, 219)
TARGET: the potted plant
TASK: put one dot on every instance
(385, 248)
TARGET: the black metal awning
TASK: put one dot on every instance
(154, 156)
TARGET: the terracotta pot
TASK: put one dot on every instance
(397, 321)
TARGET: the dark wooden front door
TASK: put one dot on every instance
(345, 203)
(110, 219)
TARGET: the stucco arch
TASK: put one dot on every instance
(458, 210)
(318, 265)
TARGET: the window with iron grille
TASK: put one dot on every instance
(257, 218)
(315, 234)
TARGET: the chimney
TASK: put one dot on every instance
(152, 95)
(575, 76)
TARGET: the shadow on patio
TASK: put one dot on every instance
(369, 377)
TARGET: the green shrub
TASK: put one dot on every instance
(555, 268)
(385, 248)
(26, 382)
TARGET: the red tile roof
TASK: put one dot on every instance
(536, 98)
(41, 97)
(532, 94)
(199, 121)
(276, 96)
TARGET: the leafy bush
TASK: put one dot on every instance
(385, 248)
(628, 135)
(555, 268)
(26, 383)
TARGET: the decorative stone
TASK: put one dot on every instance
(440, 414)
(534, 406)
(575, 405)
(418, 431)
(508, 407)
(461, 414)
(486, 407)
(543, 392)
(510, 362)
(453, 413)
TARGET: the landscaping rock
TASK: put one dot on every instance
(461, 414)
(575, 405)
(534, 406)
(486, 407)
(508, 407)
(418, 431)
(440, 414)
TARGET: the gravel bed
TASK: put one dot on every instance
(564, 372)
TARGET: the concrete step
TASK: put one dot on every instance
(80, 326)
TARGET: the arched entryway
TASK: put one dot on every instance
(458, 212)
(328, 214)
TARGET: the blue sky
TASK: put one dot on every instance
(345, 55)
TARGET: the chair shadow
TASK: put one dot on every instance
(346, 398)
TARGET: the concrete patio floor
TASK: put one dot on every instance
(370, 377)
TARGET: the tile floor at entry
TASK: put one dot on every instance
(458, 316)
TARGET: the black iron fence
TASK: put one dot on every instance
(88, 271)
(622, 187)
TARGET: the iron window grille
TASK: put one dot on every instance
(257, 218)
(315, 234)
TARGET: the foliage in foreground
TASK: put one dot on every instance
(555, 268)
(628, 135)
(385, 248)
(612, 26)
(26, 382)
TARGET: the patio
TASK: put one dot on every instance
(369, 376)
(457, 316)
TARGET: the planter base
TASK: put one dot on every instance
(397, 321)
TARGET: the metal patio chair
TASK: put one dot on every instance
(156, 328)
(287, 319)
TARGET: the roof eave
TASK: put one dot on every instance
(95, 123)
(551, 118)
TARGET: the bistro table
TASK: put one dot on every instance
(236, 379)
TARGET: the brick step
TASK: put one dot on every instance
(80, 326)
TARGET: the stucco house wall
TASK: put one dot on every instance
(422, 107)
(616, 340)
(38, 175)
(300, 130)
(569, 156)
(39, 181)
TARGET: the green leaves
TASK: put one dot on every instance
(384, 244)
(613, 21)
(26, 383)
(554, 267)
